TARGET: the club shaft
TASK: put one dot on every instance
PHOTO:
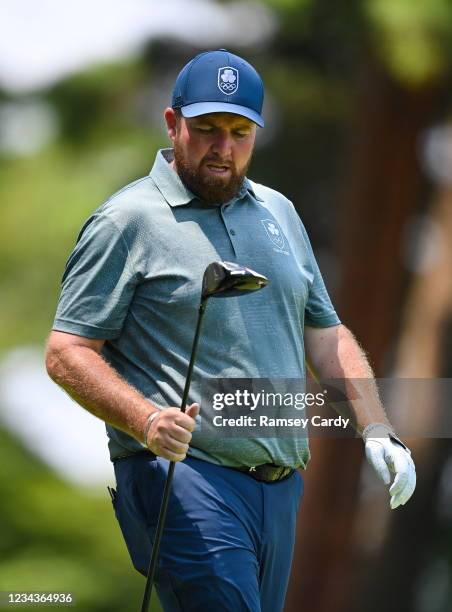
(157, 538)
(169, 477)
(194, 348)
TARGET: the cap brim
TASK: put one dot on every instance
(204, 108)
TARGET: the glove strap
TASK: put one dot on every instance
(381, 430)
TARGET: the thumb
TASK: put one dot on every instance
(376, 457)
(192, 410)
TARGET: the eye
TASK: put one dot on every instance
(203, 129)
(241, 132)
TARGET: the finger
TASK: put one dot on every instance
(180, 434)
(410, 488)
(400, 482)
(404, 482)
(173, 419)
(375, 456)
(402, 470)
(394, 503)
(403, 494)
(185, 419)
(174, 445)
(166, 453)
(193, 410)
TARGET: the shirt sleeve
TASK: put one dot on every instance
(98, 283)
(319, 310)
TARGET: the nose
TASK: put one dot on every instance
(222, 145)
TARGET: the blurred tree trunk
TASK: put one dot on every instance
(381, 191)
(422, 353)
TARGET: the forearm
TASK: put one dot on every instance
(342, 357)
(95, 385)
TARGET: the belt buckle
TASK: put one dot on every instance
(277, 474)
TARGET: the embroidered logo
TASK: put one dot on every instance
(274, 232)
(228, 80)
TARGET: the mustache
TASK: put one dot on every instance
(218, 161)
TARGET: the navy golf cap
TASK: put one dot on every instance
(219, 82)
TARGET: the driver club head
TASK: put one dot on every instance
(227, 279)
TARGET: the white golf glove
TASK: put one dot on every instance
(387, 454)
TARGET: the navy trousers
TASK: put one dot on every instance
(228, 539)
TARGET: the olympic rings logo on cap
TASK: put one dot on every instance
(228, 80)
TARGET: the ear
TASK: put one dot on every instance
(171, 122)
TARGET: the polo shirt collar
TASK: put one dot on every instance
(173, 189)
(247, 187)
(168, 182)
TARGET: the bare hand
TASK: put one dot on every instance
(170, 432)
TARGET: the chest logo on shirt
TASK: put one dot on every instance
(228, 80)
(274, 232)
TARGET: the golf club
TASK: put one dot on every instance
(221, 279)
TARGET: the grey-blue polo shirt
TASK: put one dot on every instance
(134, 279)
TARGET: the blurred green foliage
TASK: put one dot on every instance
(412, 37)
(56, 537)
(106, 140)
(53, 535)
(47, 196)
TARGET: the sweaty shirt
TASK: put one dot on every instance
(134, 279)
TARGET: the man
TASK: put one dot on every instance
(122, 336)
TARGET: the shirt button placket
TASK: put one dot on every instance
(231, 231)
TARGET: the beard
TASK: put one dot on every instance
(209, 189)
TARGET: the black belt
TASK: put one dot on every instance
(267, 472)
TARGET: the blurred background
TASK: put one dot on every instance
(359, 136)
